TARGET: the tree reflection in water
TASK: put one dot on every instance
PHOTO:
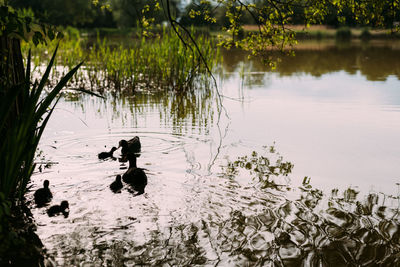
(376, 61)
(308, 230)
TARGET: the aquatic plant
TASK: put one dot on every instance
(160, 62)
(21, 134)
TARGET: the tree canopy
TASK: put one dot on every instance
(216, 13)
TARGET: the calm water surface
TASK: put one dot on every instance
(333, 111)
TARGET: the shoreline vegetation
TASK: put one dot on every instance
(160, 61)
(25, 109)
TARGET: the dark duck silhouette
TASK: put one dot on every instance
(131, 146)
(116, 186)
(104, 155)
(43, 195)
(57, 209)
(134, 176)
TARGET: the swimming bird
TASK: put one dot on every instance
(131, 146)
(57, 209)
(43, 195)
(116, 186)
(104, 155)
(134, 176)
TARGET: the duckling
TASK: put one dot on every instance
(104, 155)
(116, 186)
(131, 146)
(57, 209)
(135, 176)
(43, 195)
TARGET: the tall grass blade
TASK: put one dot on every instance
(21, 134)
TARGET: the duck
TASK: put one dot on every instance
(116, 186)
(134, 176)
(57, 209)
(130, 146)
(104, 155)
(43, 195)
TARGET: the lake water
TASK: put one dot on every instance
(333, 111)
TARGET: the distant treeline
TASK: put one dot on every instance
(130, 13)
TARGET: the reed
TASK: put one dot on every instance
(21, 134)
(161, 62)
